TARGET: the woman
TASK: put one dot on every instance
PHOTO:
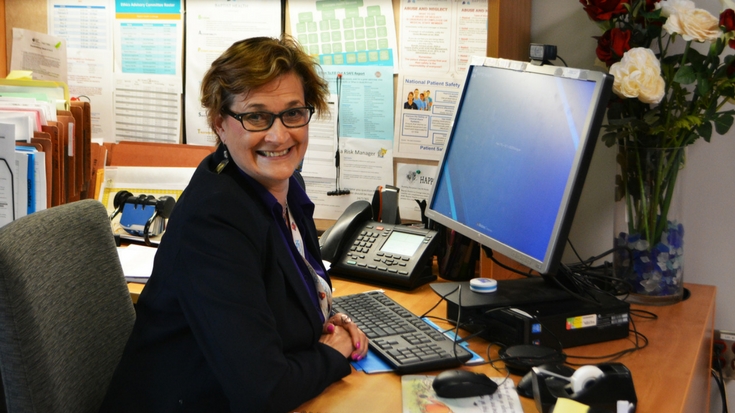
(409, 103)
(236, 315)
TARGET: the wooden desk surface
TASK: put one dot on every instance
(671, 375)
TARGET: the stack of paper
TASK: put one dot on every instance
(137, 262)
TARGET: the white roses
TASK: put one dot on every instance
(638, 75)
(690, 22)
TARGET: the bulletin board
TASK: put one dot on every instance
(508, 36)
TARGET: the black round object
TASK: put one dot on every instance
(462, 383)
(525, 385)
(520, 358)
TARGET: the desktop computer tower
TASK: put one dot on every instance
(562, 321)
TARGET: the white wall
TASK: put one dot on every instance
(709, 178)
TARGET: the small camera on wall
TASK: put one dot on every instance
(143, 215)
(541, 54)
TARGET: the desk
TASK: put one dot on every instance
(671, 375)
(135, 290)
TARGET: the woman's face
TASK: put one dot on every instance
(272, 155)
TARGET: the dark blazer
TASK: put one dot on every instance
(225, 322)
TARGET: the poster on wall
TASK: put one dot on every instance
(425, 108)
(148, 45)
(416, 182)
(338, 32)
(87, 28)
(442, 35)
(211, 27)
(361, 126)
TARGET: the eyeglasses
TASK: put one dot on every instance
(260, 121)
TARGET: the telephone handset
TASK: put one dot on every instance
(333, 241)
(378, 252)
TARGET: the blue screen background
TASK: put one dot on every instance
(509, 159)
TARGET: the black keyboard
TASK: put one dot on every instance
(405, 341)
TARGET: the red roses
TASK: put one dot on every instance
(601, 10)
(612, 45)
(727, 23)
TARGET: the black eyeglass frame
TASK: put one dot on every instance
(279, 115)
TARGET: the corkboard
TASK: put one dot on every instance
(26, 14)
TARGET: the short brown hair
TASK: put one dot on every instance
(251, 63)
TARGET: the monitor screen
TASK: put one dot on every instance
(516, 159)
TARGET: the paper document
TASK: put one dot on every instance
(137, 262)
(418, 396)
(43, 54)
(7, 179)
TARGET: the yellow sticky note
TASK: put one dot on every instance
(564, 405)
(20, 74)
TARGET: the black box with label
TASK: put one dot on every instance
(529, 312)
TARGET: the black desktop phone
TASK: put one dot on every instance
(376, 252)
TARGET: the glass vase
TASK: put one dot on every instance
(649, 233)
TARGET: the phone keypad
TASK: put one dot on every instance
(365, 259)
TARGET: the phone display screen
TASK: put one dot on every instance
(402, 243)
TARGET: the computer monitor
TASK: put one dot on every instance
(515, 162)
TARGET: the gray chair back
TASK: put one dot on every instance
(65, 309)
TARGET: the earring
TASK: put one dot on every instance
(224, 162)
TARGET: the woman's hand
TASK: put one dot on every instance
(340, 329)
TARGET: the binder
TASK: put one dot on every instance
(57, 163)
(78, 150)
(67, 135)
(44, 140)
(82, 112)
(20, 181)
(131, 153)
(98, 159)
(33, 186)
(57, 92)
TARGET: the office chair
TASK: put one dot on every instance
(65, 309)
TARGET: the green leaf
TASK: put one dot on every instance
(685, 75)
(609, 139)
(705, 130)
(724, 122)
(651, 116)
(703, 85)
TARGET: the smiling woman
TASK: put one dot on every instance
(236, 315)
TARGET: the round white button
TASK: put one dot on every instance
(483, 285)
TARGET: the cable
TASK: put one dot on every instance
(489, 254)
(441, 298)
(456, 325)
(12, 188)
(717, 375)
(457, 338)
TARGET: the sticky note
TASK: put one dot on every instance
(570, 406)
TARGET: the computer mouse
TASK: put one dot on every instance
(525, 385)
(454, 384)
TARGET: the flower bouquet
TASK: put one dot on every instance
(674, 78)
